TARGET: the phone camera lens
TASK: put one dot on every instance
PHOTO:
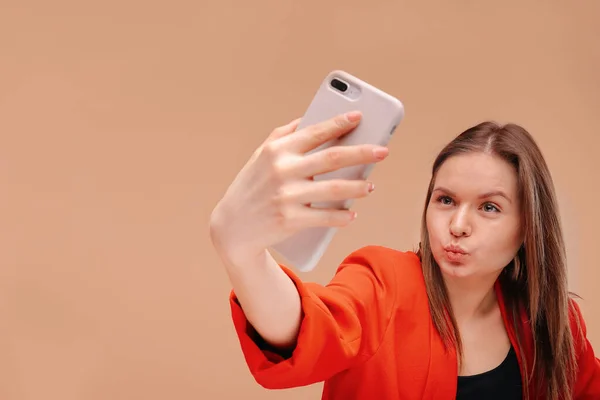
(339, 85)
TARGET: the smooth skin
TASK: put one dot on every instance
(267, 202)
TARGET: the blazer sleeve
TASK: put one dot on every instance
(587, 384)
(343, 323)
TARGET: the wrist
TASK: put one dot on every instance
(233, 252)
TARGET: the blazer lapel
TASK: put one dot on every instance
(443, 369)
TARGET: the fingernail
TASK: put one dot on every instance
(353, 116)
(380, 153)
(371, 187)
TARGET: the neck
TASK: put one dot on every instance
(471, 299)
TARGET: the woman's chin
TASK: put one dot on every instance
(455, 269)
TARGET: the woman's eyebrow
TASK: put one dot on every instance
(482, 196)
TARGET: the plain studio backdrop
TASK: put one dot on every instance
(122, 123)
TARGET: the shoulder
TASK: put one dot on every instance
(587, 383)
(390, 267)
(386, 261)
(577, 322)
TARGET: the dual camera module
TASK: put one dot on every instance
(339, 85)
(350, 90)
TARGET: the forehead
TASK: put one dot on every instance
(477, 172)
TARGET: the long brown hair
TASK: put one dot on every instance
(536, 280)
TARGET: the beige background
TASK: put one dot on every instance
(122, 122)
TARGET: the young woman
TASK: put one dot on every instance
(480, 311)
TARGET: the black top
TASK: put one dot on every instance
(502, 382)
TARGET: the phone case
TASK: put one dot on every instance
(381, 115)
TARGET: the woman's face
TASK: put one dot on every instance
(473, 217)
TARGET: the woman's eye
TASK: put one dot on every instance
(490, 207)
(445, 200)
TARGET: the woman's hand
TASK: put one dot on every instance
(269, 199)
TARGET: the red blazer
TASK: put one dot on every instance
(368, 334)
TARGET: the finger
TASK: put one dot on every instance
(307, 217)
(334, 158)
(308, 192)
(313, 136)
(283, 130)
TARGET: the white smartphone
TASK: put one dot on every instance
(338, 93)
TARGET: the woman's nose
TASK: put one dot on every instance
(459, 225)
